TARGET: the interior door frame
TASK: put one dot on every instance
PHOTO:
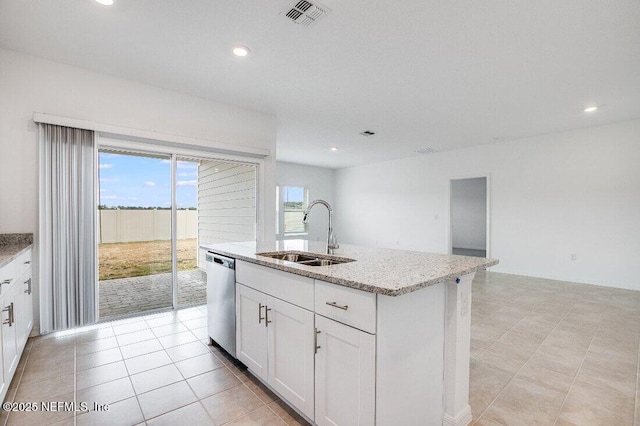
(488, 208)
(129, 147)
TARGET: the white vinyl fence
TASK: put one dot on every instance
(123, 226)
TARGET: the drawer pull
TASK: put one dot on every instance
(266, 316)
(315, 341)
(9, 310)
(28, 284)
(8, 281)
(260, 317)
(335, 305)
(28, 262)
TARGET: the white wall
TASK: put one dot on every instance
(469, 213)
(551, 196)
(29, 84)
(320, 182)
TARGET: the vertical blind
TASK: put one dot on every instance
(67, 211)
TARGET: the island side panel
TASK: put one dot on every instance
(410, 364)
(457, 351)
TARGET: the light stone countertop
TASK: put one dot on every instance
(384, 271)
(12, 246)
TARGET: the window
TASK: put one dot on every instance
(295, 200)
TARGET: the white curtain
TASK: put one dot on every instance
(67, 246)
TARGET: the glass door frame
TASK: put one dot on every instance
(126, 146)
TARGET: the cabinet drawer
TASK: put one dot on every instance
(8, 275)
(23, 262)
(346, 305)
(291, 288)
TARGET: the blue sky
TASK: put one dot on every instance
(132, 181)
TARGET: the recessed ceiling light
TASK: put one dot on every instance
(591, 109)
(334, 148)
(105, 2)
(241, 51)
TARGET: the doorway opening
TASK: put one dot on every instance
(154, 212)
(469, 217)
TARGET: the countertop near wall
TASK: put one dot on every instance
(12, 245)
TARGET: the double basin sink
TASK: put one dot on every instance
(308, 259)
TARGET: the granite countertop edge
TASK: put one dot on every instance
(283, 266)
(10, 252)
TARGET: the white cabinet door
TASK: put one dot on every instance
(251, 330)
(9, 333)
(345, 375)
(291, 353)
(23, 308)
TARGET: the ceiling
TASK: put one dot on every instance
(420, 73)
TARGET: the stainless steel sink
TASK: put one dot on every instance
(321, 262)
(309, 259)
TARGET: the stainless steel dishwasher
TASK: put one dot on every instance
(221, 301)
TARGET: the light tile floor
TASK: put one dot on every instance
(543, 352)
(156, 369)
(551, 352)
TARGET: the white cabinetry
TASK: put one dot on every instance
(9, 334)
(16, 319)
(291, 347)
(343, 356)
(24, 307)
(275, 341)
(251, 332)
(345, 374)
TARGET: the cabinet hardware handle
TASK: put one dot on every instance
(28, 283)
(266, 316)
(260, 317)
(7, 281)
(12, 318)
(28, 262)
(335, 305)
(8, 310)
(315, 341)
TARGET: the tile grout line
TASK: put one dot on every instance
(6, 420)
(523, 365)
(564, 400)
(516, 373)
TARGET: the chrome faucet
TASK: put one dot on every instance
(332, 242)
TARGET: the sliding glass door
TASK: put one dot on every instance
(155, 211)
(134, 233)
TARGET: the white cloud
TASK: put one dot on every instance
(187, 183)
(105, 166)
(187, 165)
(150, 183)
(108, 197)
(132, 199)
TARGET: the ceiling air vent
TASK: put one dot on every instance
(304, 12)
(425, 150)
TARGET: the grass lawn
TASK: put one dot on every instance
(123, 260)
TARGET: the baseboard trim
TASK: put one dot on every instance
(463, 418)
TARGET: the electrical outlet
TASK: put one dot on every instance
(573, 257)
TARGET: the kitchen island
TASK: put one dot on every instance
(380, 337)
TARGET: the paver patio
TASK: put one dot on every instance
(139, 294)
